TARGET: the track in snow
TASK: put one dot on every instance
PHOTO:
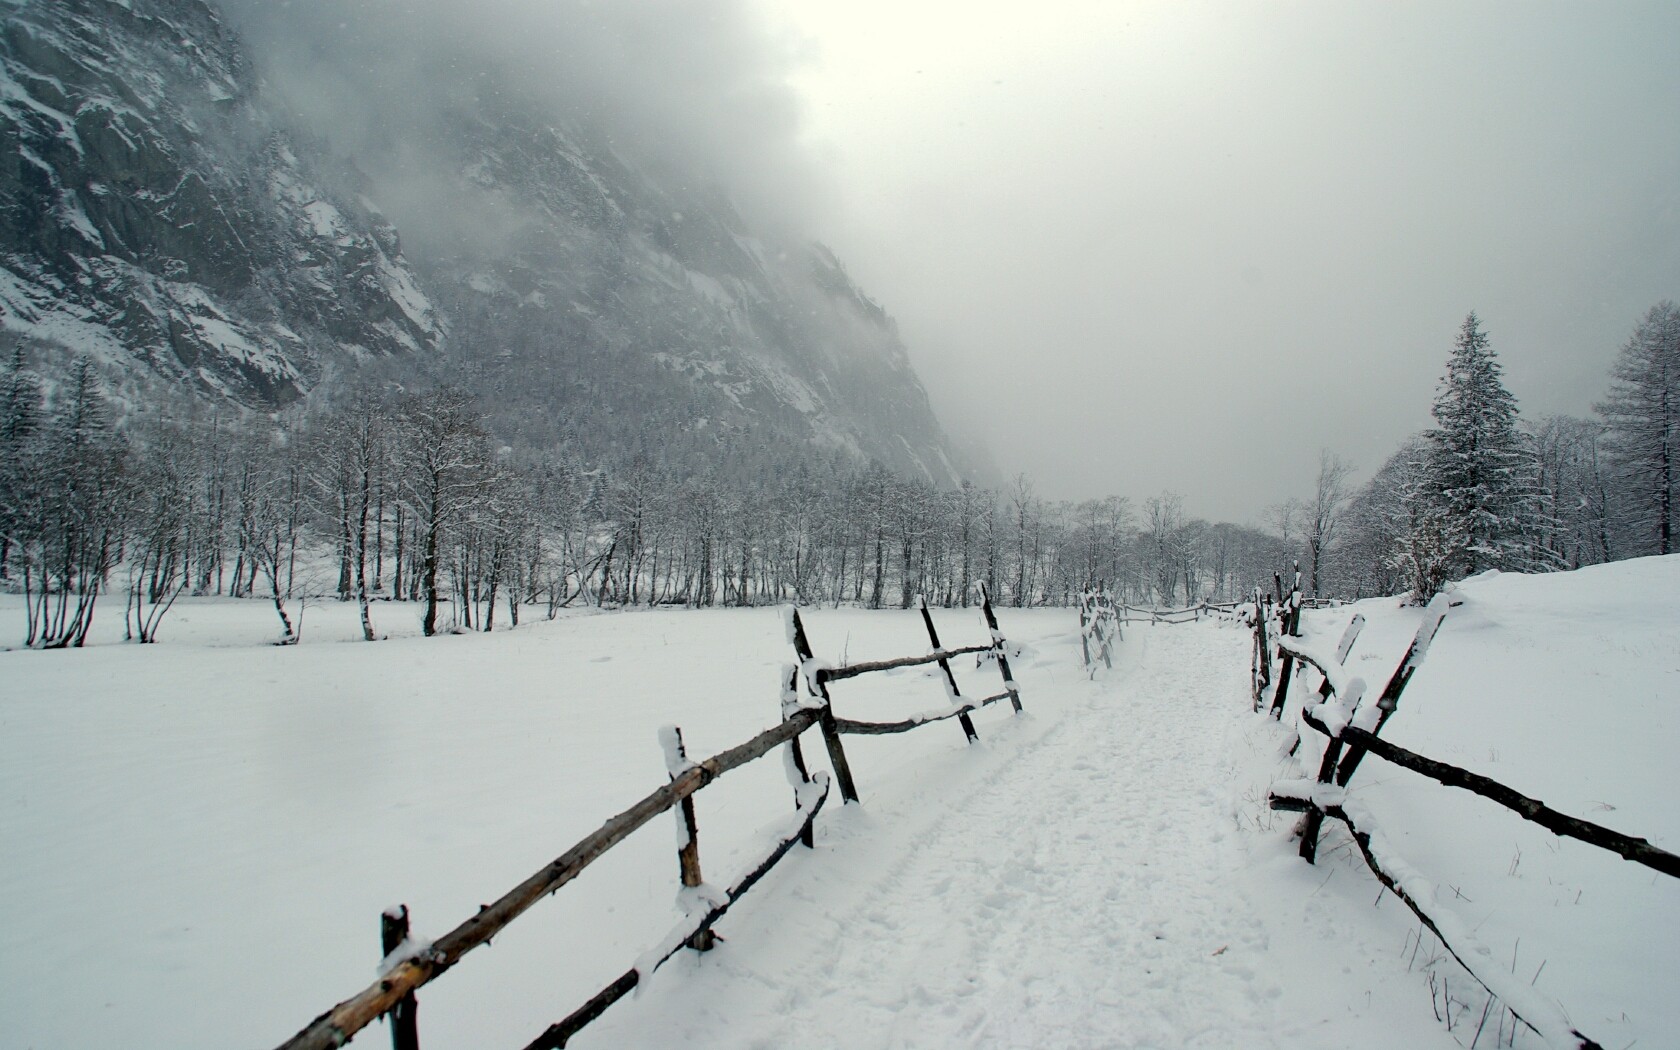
(1071, 885)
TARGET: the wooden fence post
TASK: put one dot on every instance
(1262, 650)
(830, 731)
(405, 1027)
(1290, 624)
(951, 689)
(1085, 628)
(688, 853)
(796, 753)
(997, 647)
(1390, 698)
(1314, 821)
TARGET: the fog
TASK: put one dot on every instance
(1183, 246)
(1137, 247)
(699, 88)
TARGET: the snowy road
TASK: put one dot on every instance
(1078, 885)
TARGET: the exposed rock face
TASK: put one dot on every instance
(624, 308)
(155, 214)
(160, 209)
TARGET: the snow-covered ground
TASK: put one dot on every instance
(198, 836)
(1565, 687)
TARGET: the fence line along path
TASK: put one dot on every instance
(1077, 881)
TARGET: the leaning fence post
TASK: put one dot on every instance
(796, 753)
(830, 731)
(1390, 698)
(951, 689)
(1332, 748)
(1262, 650)
(998, 646)
(1290, 624)
(688, 828)
(405, 1030)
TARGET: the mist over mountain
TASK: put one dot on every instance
(587, 215)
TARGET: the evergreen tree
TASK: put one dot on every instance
(21, 402)
(1477, 469)
(1643, 415)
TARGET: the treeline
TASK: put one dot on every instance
(409, 496)
(1484, 489)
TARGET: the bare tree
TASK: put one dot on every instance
(443, 459)
(1163, 525)
(1321, 516)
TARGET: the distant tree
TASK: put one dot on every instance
(443, 457)
(273, 521)
(21, 403)
(22, 414)
(165, 514)
(350, 454)
(1477, 471)
(1575, 490)
(1424, 544)
(1163, 532)
(68, 512)
(1642, 411)
(1023, 519)
(1321, 516)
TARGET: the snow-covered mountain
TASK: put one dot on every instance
(155, 214)
(162, 208)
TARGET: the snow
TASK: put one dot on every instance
(670, 741)
(1101, 870)
(1562, 687)
(408, 948)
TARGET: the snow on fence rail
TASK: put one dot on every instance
(408, 966)
(1350, 728)
(1188, 614)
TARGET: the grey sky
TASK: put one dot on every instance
(1185, 245)
(1140, 246)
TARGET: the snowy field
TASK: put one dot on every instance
(199, 836)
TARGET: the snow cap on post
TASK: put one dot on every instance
(676, 757)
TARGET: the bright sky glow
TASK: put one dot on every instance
(1127, 240)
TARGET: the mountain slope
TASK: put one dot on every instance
(155, 214)
(627, 309)
(165, 210)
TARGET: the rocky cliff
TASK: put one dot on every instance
(162, 209)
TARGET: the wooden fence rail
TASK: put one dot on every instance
(408, 968)
(1348, 724)
(1188, 614)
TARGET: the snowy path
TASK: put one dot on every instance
(1100, 871)
(1078, 890)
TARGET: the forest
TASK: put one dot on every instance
(380, 494)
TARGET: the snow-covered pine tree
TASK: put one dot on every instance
(1642, 411)
(21, 400)
(1478, 466)
(21, 413)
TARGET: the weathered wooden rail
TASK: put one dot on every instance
(408, 967)
(1188, 614)
(1350, 728)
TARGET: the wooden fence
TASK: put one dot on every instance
(1188, 614)
(1350, 727)
(805, 704)
(1099, 629)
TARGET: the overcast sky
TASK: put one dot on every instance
(1183, 246)
(1139, 246)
